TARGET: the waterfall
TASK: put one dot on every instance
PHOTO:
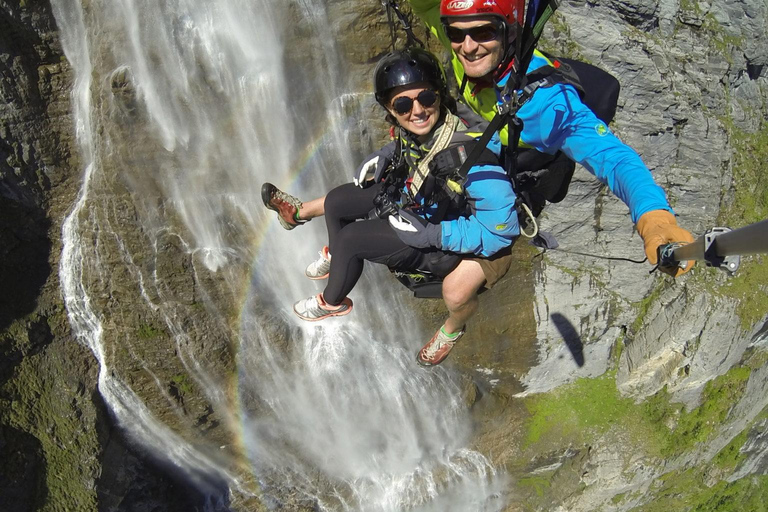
(181, 283)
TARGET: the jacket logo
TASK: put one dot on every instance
(459, 5)
(500, 227)
(601, 129)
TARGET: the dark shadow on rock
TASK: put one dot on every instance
(135, 480)
(570, 337)
(24, 251)
(22, 472)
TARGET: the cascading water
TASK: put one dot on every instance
(183, 109)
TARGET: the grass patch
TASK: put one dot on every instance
(148, 332)
(539, 484)
(46, 406)
(644, 306)
(182, 383)
(687, 491)
(749, 205)
(581, 411)
(750, 176)
(680, 430)
(749, 288)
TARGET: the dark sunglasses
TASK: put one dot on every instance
(404, 104)
(481, 34)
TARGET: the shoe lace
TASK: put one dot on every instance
(440, 342)
(279, 195)
(313, 307)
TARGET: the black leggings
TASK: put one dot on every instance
(351, 242)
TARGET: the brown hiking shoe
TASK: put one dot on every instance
(438, 348)
(284, 204)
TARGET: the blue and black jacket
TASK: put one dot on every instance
(489, 223)
(555, 119)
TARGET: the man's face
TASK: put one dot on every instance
(479, 58)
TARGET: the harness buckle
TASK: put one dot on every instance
(504, 108)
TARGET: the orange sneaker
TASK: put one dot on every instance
(285, 205)
(438, 348)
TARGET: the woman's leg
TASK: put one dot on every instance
(344, 205)
(373, 240)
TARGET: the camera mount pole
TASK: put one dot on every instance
(719, 247)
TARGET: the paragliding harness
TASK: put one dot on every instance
(437, 194)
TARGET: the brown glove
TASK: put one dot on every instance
(657, 228)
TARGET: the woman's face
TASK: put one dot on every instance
(416, 108)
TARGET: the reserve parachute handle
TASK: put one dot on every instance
(719, 247)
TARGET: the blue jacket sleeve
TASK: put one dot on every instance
(556, 119)
(493, 224)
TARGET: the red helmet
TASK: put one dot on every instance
(508, 10)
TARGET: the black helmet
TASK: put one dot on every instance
(405, 67)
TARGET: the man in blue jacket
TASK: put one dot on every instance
(481, 36)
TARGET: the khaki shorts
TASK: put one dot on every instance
(496, 266)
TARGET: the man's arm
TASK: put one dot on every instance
(556, 119)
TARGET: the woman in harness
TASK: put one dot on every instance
(410, 217)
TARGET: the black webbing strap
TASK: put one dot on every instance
(391, 6)
(507, 112)
(525, 42)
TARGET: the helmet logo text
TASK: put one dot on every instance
(460, 5)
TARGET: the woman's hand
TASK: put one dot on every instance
(415, 231)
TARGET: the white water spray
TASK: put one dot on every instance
(183, 110)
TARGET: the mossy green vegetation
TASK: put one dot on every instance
(585, 409)
(750, 287)
(581, 412)
(39, 400)
(688, 491)
(698, 425)
(644, 306)
(750, 204)
(750, 175)
(538, 484)
(182, 382)
(560, 42)
(570, 409)
(148, 332)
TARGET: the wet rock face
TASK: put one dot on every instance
(52, 424)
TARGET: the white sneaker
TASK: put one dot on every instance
(320, 268)
(315, 308)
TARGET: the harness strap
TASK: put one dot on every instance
(503, 113)
(390, 6)
(446, 134)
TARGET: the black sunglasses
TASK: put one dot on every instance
(481, 34)
(404, 104)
